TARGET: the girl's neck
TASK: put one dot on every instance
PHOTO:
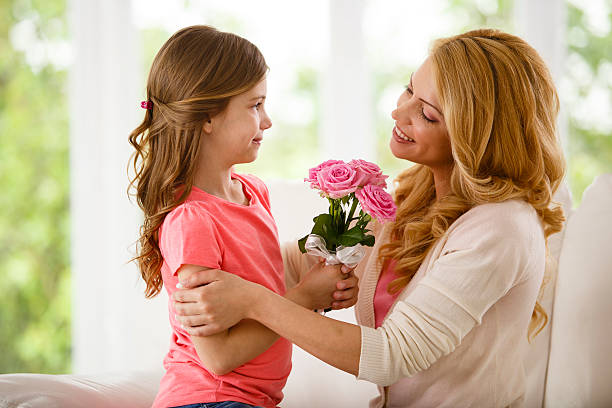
(219, 182)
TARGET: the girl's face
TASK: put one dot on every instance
(234, 135)
(420, 133)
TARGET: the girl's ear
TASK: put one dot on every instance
(208, 127)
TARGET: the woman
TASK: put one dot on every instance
(448, 296)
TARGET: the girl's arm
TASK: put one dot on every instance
(335, 342)
(246, 339)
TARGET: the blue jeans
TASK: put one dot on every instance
(224, 404)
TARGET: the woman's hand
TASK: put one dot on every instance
(212, 301)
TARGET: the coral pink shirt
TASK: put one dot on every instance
(209, 231)
(383, 300)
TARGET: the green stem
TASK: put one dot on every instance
(353, 208)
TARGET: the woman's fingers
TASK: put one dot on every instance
(205, 330)
(203, 277)
(192, 321)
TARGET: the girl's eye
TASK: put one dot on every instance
(408, 90)
(257, 105)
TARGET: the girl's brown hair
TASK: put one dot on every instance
(500, 108)
(192, 78)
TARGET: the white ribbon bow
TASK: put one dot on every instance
(349, 256)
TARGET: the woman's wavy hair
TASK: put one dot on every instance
(500, 107)
(192, 78)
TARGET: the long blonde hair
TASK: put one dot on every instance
(192, 78)
(500, 107)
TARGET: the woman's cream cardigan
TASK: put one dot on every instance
(457, 334)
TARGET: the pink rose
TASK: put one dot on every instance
(312, 173)
(375, 201)
(338, 180)
(369, 173)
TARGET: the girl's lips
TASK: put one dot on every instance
(400, 137)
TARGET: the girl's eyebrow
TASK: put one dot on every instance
(258, 97)
(423, 100)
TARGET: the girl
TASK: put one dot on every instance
(205, 113)
(448, 295)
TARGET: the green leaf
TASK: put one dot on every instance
(302, 244)
(324, 227)
(351, 237)
(368, 240)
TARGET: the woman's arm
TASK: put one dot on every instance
(337, 343)
(231, 348)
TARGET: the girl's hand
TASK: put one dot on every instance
(347, 290)
(213, 301)
(328, 286)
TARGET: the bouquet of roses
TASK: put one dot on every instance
(339, 235)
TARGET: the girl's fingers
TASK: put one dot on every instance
(344, 295)
(343, 304)
(347, 283)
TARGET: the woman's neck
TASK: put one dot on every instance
(442, 181)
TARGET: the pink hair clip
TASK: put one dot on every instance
(146, 105)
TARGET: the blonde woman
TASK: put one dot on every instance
(448, 296)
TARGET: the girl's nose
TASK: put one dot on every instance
(266, 123)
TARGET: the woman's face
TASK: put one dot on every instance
(420, 133)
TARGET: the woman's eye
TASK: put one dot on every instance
(408, 90)
(257, 105)
(425, 117)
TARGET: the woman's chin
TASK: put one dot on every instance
(399, 150)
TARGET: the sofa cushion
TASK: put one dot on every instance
(580, 364)
(134, 389)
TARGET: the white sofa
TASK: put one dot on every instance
(569, 364)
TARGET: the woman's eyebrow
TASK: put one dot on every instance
(423, 100)
(257, 97)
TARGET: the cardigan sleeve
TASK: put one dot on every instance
(480, 262)
(295, 262)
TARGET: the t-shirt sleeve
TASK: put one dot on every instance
(470, 276)
(189, 237)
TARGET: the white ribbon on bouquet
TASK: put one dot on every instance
(349, 256)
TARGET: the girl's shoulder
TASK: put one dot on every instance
(255, 184)
(251, 180)
(186, 213)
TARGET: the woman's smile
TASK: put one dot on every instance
(400, 136)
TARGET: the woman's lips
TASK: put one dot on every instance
(400, 136)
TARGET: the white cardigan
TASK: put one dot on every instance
(457, 334)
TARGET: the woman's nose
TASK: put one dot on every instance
(401, 112)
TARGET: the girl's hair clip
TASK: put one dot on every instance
(146, 105)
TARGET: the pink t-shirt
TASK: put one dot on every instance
(208, 231)
(383, 300)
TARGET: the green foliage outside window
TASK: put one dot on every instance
(34, 221)
(590, 141)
